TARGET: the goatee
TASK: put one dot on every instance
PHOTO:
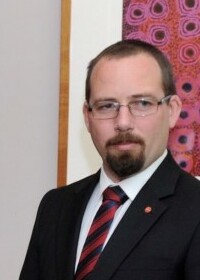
(127, 163)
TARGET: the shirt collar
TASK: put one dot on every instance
(138, 180)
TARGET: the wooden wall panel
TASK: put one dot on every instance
(64, 93)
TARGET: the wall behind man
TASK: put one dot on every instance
(95, 25)
(29, 95)
(29, 88)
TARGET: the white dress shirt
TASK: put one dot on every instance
(131, 186)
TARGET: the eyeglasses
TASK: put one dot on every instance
(140, 107)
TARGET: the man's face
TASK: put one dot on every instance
(127, 143)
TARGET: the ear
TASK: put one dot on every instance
(86, 115)
(175, 106)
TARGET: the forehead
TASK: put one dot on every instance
(129, 75)
(130, 59)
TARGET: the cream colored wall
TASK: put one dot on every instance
(95, 25)
(29, 84)
(29, 91)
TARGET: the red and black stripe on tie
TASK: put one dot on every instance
(113, 197)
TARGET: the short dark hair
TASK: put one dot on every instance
(127, 48)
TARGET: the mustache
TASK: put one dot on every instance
(124, 138)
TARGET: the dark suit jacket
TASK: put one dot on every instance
(161, 245)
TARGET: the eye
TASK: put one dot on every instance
(142, 104)
(145, 103)
(105, 106)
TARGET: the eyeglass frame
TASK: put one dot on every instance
(118, 106)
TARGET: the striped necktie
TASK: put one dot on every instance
(113, 197)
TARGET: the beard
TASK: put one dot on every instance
(125, 163)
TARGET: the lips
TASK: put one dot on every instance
(125, 140)
(124, 146)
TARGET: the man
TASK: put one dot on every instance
(131, 104)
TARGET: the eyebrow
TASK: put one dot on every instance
(105, 99)
(134, 96)
(142, 95)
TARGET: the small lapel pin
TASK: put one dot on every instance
(148, 209)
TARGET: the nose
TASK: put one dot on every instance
(124, 120)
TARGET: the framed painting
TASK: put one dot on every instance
(174, 27)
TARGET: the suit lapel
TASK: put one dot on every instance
(141, 216)
(69, 226)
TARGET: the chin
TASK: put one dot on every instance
(125, 164)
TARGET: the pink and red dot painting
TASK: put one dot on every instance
(174, 27)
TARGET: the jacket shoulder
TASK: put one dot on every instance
(69, 190)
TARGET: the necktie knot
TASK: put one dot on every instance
(115, 194)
